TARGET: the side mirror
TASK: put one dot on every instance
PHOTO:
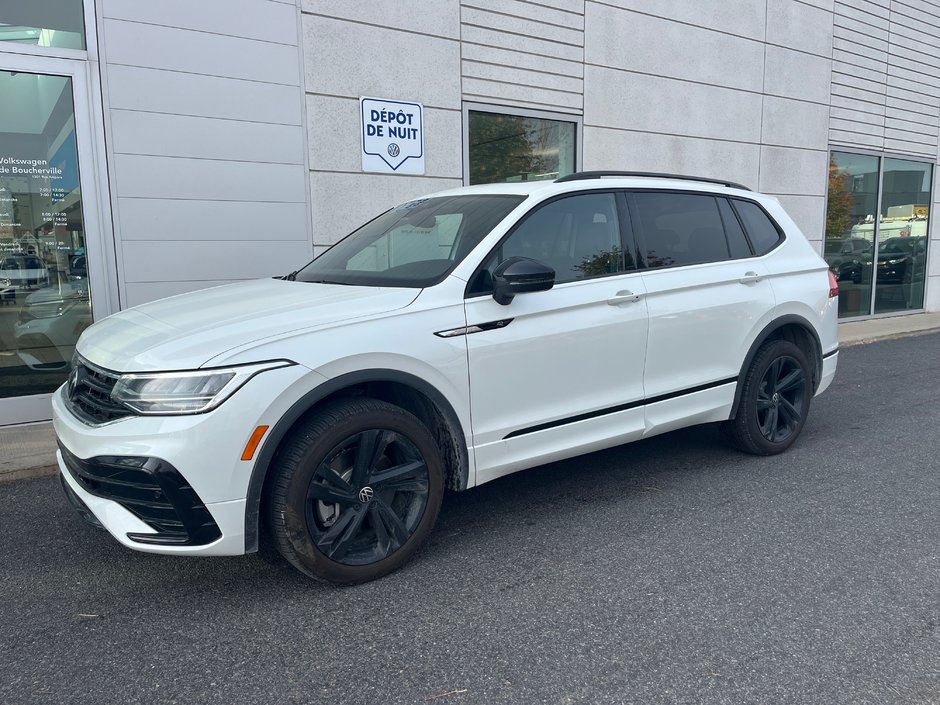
(519, 275)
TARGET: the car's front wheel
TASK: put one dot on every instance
(357, 490)
(775, 400)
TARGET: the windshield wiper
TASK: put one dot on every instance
(290, 277)
(326, 281)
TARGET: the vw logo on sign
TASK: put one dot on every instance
(393, 150)
(365, 494)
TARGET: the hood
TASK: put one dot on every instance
(184, 332)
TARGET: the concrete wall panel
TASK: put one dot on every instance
(662, 47)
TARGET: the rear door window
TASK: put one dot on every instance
(678, 229)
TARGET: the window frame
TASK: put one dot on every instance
(518, 112)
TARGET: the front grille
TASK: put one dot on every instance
(151, 489)
(88, 394)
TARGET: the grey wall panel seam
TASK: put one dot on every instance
(200, 31)
(427, 106)
(535, 3)
(206, 200)
(799, 51)
(208, 159)
(470, 6)
(620, 69)
(520, 68)
(521, 34)
(633, 130)
(498, 101)
(671, 19)
(519, 51)
(380, 26)
(869, 7)
(202, 73)
(525, 85)
(207, 117)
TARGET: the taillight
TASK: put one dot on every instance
(833, 285)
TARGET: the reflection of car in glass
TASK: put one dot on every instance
(901, 259)
(24, 270)
(7, 292)
(847, 257)
(50, 322)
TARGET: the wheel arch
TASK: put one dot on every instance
(405, 390)
(790, 327)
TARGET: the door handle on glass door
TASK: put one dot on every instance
(623, 297)
(750, 278)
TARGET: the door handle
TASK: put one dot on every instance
(623, 297)
(750, 278)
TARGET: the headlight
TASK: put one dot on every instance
(185, 392)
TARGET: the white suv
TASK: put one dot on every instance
(454, 339)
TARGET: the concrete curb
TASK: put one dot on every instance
(890, 336)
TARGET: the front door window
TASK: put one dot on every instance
(44, 295)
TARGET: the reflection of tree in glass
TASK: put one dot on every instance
(655, 260)
(604, 262)
(839, 205)
(507, 146)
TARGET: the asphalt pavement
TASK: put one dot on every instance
(673, 570)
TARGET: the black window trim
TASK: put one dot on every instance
(622, 215)
(640, 239)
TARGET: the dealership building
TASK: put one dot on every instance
(153, 148)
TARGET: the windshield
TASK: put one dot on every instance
(415, 244)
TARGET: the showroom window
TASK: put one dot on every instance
(877, 231)
(515, 147)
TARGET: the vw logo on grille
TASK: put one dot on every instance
(73, 380)
(365, 494)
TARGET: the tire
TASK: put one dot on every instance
(775, 400)
(356, 491)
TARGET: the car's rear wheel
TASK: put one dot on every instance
(357, 490)
(775, 400)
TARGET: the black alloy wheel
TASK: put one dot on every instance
(357, 489)
(775, 399)
(367, 497)
(780, 399)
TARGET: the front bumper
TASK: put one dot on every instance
(172, 484)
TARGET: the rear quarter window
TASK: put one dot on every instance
(763, 233)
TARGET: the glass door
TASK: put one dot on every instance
(877, 226)
(45, 292)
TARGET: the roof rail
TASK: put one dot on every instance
(584, 175)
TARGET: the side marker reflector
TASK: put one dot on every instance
(253, 442)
